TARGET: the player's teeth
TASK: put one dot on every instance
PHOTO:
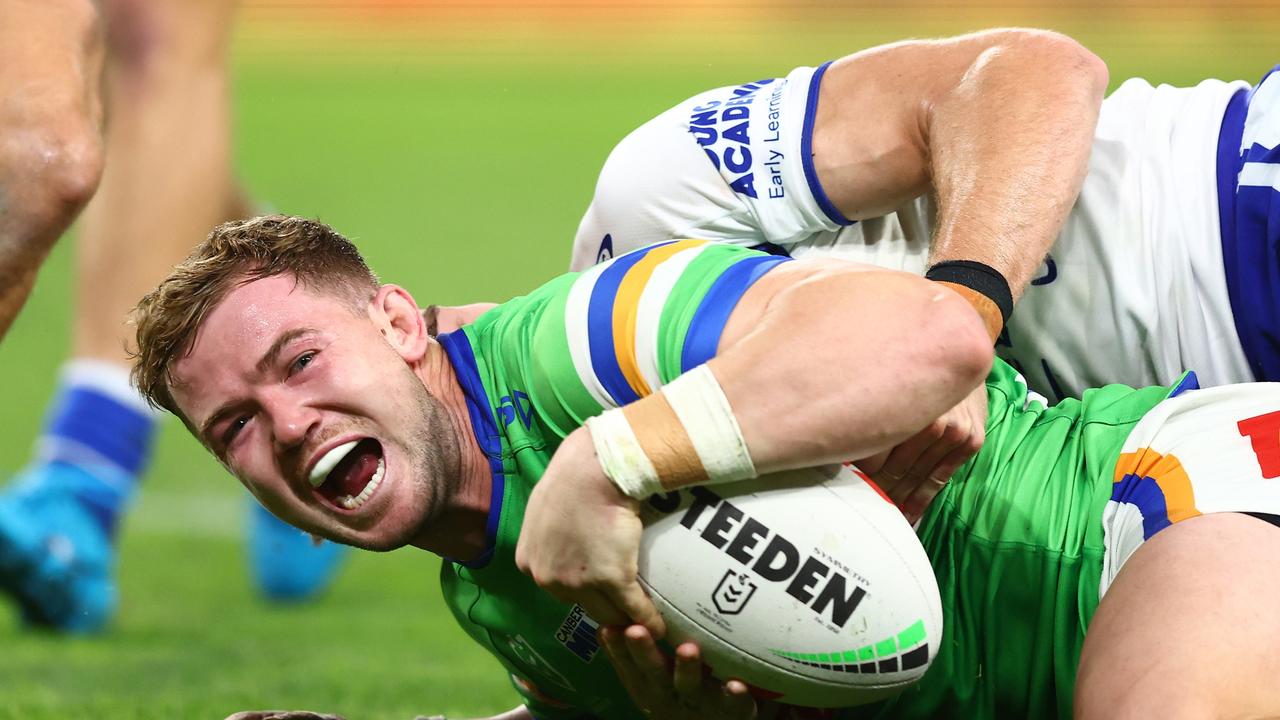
(328, 462)
(352, 502)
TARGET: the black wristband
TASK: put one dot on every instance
(979, 277)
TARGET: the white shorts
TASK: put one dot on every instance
(1133, 291)
(1204, 451)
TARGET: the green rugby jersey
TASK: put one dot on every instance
(1015, 538)
(533, 370)
(1016, 542)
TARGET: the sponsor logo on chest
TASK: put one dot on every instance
(578, 634)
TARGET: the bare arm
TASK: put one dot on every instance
(820, 362)
(826, 362)
(998, 124)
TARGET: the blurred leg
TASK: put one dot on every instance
(50, 132)
(168, 180)
(1189, 628)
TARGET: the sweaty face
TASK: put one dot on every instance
(321, 416)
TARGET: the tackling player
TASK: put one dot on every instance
(322, 391)
(960, 159)
(969, 148)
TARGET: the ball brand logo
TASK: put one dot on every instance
(768, 555)
(733, 592)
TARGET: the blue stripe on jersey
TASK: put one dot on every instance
(713, 312)
(1186, 383)
(604, 358)
(458, 347)
(1145, 494)
(1249, 218)
(806, 150)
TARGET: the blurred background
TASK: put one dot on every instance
(458, 142)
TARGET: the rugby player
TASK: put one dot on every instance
(169, 179)
(323, 392)
(920, 152)
(925, 155)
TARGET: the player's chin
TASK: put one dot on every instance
(383, 529)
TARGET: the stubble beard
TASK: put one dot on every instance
(434, 461)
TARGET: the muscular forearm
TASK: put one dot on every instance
(1008, 150)
(807, 391)
(998, 125)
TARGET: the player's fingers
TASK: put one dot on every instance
(936, 463)
(623, 665)
(644, 652)
(737, 701)
(916, 504)
(635, 603)
(893, 476)
(687, 676)
(600, 607)
(940, 473)
(874, 463)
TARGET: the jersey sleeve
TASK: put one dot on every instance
(733, 164)
(627, 327)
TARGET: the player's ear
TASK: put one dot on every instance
(398, 317)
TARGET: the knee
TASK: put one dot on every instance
(48, 173)
(72, 158)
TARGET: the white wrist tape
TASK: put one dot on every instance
(687, 435)
(704, 411)
(621, 457)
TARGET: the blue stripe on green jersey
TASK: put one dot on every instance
(458, 348)
(716, 306)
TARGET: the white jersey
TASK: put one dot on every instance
(1134, 290)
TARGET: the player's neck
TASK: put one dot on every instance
(458, 531)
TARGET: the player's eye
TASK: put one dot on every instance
(233, 429)
(301, 362)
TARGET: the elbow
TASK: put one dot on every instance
(974, 354)
(964, 349)
(1064, 60)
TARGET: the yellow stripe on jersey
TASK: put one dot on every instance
(1168, 474)
(624, 313)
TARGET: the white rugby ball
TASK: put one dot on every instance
(808, 585)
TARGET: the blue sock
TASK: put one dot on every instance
(101, 431)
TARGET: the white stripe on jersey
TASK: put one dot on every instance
(1260, 128)
(1258, 174)
(653, 299)
(577, 331)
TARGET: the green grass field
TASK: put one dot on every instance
(461, 165)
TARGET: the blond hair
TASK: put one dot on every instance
(168, 318)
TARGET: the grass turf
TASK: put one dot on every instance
(462, 166)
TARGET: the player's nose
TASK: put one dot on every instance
(291, 421)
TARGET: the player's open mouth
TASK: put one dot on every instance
(350, 473)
